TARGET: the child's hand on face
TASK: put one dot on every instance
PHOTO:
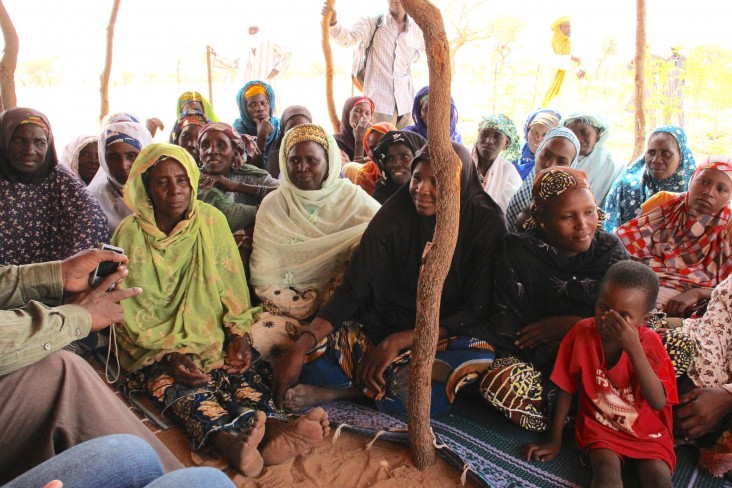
(619, 330)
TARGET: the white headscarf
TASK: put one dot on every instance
(304, 238)
(70, 156)
(599, 166)
(104, 187)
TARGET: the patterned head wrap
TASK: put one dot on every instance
(112, 137)
(410, 139)
(192, 117)
(549, 184)
(380, 127)
(307, 132)
(505, 125)
(547, 118)
(36, 120)
(561, 132)
(242, 145)
(255, 89)
(720, 163)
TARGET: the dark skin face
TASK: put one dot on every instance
(558, 151)
(119, 157)
(170, 192)
(373, 139)
(424, 110)
(626, 302)
(188, 139)
(662, 156)
(490, 144)
(587, 135)
(709, 191)
(27, 148)
(423, 189)
(307, 165)
(192, 106)
(359, 111)
(258, 107)
(398, 162)
(217, 153)
(88, 162)
(570, 221)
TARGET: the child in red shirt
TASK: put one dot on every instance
(625, 380)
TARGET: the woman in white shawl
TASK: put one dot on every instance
(305, 234)
(594, 160)
(80, 155)
(120, 142)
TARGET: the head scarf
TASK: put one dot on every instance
(561, 44)
(273, 157)
(685, 249)
(380, 127)
(522, 199)
(246, 125)
(193, 279)
(190, 96)
(386, 187)
(369, 172)
(549, 185)
(9, 122)
(381, 282)
(119, 117)
(47, 215)
(505, 125)
(303, 238)
(598, 165)
(70, 156)
(546, 117)
(104, 187)
(420, 127)
(635, 185)
(243, 145)
(345, 138)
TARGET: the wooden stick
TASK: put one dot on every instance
(328, 55)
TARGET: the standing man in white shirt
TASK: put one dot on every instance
(397, 43)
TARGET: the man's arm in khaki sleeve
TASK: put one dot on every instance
(22, 284)
(30, 333)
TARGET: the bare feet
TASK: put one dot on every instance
(291, 439)
(241, 450)
(303, 396)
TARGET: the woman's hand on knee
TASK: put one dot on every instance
(238, 356)
(185, 371)
(702, 411)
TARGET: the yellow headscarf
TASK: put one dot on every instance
(193, 279)
(560, 42)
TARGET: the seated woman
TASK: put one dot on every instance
(596, 161)
(537, 125)
(394, 154)
(186, 132)
(560, 147)
(497, 144)
(685, 238)
(256, 101)
(190, 101)
(369, 173)
(355, 119)
(119, 144)
(419, 114)
(185, 338)
(46, 212)
(667, 165)
(81, 156)
(704, 414)
(305, 234)
(292, 116)
(546, 281)
(359, 343)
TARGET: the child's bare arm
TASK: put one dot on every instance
(627, 337)
(546, 451)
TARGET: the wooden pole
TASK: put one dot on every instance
(437, 259)
(640, 79)
(209, 52)
(9, 60)
(328, 55)
(104, 79)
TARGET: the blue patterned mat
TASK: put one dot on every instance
(476, 435)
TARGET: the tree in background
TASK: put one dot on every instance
(9, 60)
(104, 79)
(640, 79)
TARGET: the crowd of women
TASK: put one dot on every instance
(279, 262)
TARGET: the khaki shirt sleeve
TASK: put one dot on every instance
(30, 329)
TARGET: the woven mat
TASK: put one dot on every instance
(476, 435)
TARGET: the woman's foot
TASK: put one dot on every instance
(241, 450)
(290, 439)
(304, 396)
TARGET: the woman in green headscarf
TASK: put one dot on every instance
(186, 337)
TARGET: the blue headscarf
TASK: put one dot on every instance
(421, 128)
(245, 125)
(636, 185)
(525, 164)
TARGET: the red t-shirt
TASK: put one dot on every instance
(612, 411)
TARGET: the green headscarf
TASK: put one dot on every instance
(192, 280)
(503, 124)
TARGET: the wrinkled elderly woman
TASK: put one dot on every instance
(185, 338)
